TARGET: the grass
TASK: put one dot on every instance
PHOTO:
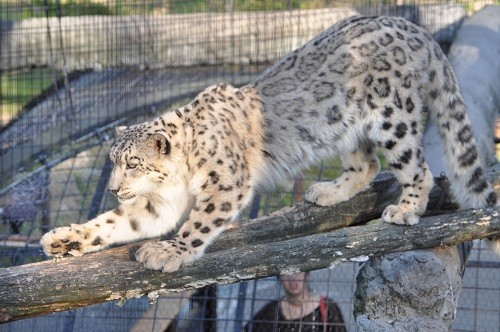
(17, 88)
(16, 10)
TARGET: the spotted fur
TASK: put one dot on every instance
(358, 86)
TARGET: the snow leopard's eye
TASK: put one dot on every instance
(132, 163)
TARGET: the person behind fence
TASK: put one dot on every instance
(300, 309)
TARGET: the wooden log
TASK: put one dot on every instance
(301, 237)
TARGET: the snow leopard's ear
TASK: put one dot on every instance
(120, 129)
(159, 144)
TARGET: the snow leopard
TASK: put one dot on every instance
(360, 86)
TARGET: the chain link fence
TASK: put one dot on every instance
(70, 71)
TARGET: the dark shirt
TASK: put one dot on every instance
(271, 319)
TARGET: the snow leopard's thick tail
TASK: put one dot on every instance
(446, 107)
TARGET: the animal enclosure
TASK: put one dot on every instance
(71, 71)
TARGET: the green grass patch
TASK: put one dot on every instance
(75, 8)
(17, 88)
(16, 10)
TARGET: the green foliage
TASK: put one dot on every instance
(221, 6)
(16, 10)
(38, 8)
(73, 8)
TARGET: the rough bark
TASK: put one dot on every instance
(301, 237)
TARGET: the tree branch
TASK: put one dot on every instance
(300, 237)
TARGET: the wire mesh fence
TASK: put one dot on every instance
(70, 71)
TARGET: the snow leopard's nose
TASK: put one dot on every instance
(113, 191)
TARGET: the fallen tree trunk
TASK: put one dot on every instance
(301, 237)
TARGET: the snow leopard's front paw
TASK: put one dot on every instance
(400, 214)
(72, 239)
(162, 255)
(326, 193)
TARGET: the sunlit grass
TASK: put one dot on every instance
(17, 88)
(16, 10)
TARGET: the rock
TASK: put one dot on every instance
(409, 291)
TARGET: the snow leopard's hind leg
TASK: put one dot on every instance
(407, 164)
(360, 167)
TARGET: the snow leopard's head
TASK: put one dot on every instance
(144, 161)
